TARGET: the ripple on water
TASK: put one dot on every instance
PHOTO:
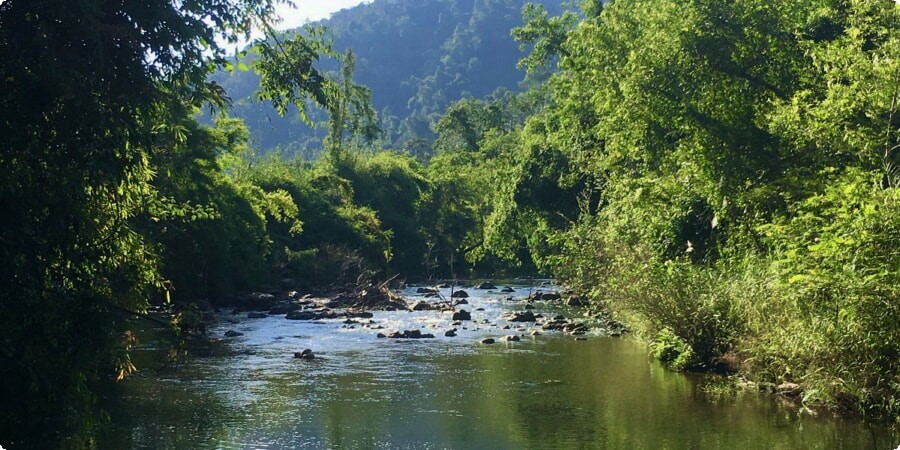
(448, 392)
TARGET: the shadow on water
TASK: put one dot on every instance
(548, 391)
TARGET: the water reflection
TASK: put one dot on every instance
(544, 392)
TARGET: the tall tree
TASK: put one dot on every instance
(86, 90)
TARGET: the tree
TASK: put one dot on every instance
(86, 87)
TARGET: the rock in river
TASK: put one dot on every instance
(488, 341)
(462, 315)
(302, 315)
(232, 333)
(450, 333)
(460, 294)
(551, 296)
(410, 334)
(526, 316)
(305, 354)
(486, 285)
(511, 338)
(425, 306)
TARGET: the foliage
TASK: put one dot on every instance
(724, 176)
(837, 262)
(417, 58)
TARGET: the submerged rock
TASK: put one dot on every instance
(488, 341)
(507, 290)
(305, 354)
(450, 333)
(257, 315)
(232, 333)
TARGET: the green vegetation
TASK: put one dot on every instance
(416, 57)
(722, 175)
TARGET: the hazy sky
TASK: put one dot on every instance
(309, 10)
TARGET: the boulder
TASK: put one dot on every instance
(423, 306)
(462, 301)
(302, 315)
(550, 296)
(260, 301)
(486, 285)
(305, 354)
(488, 341)
(526, 316)
(410, 334)
(461, 315)
(575, 302)
(459, 294)
(380, 336)
(450, 333)
(232, 333)
(575, 329)
(507, 290)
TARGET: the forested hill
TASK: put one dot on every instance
(416, 57)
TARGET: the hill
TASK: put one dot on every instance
(417, 57)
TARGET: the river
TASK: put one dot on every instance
(543, 392)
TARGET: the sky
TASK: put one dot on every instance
(311, 10)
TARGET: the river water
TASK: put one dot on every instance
(543, 392)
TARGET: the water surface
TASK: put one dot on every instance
(543, 392)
